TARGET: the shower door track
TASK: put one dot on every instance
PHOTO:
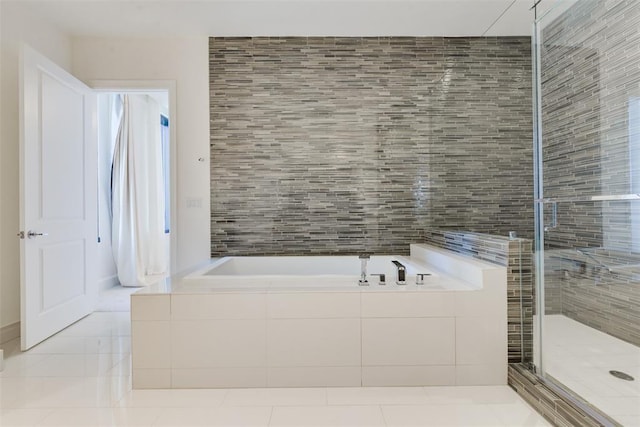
(577, 402)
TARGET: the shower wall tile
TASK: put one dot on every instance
(599, 290)
(590, 87)
(591, 142)
(338, 145)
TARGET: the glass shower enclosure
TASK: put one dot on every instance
(587, 200)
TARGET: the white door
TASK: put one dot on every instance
(58, 219)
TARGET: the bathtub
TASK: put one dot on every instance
(305, 322)
(308, 272)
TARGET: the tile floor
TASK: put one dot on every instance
(81, 377)
(581, 357)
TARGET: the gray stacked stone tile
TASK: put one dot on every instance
(590, 79)
(337, 145)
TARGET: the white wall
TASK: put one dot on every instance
(17, 26)
(186, 62)
(183, 60)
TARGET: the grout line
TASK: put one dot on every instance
(157, 416)
(384, 420)
(224, 397)
(424, 391)
(270, 416)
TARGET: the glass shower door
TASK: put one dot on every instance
(587, 76)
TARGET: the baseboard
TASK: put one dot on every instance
(9, 332)
(108, 282)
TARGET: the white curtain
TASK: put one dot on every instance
(138, 237)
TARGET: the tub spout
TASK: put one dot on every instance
(401, 273)
(363, 270)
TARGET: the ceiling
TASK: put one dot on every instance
(171, 18)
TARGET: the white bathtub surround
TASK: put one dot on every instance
(450, 331)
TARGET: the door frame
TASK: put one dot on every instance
(126, 86)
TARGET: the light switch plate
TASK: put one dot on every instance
(194, 202)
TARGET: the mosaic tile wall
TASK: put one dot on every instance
(590, 79)
(591, 118)
(600, 289)
(517, 256)
(343, 145)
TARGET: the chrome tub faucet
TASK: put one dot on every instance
(401, 273)
(363, 270)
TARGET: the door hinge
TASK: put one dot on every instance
(21, 234)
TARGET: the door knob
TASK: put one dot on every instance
(31, 234)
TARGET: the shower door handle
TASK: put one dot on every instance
(554, 217)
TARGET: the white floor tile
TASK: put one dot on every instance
(87, 417)
(21, 365)
(276, 397)
(459, 395)
(83, 345)
(75, 365)
(628, 420)
(186, 398)
(185, 417)
(95, 329)
(620, 406)
(22, 417)
(442, 415)
(121, 369)
(115, 299)
(376, 396)
(108, 316)
(327, 416)
(16, 393)
(61, 345)
(96, 392)
(518, 414)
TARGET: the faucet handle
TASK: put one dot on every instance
(420, 278)
(382, 279)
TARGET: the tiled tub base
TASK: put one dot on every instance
(358, 336)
